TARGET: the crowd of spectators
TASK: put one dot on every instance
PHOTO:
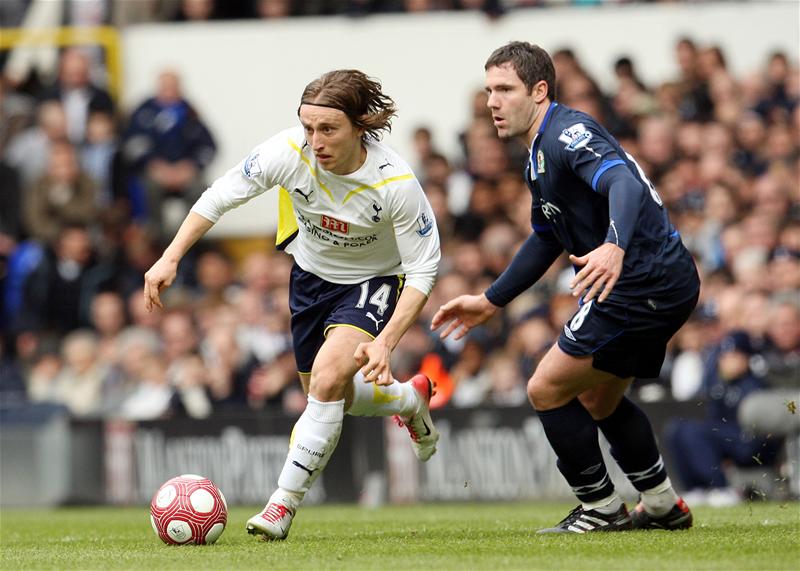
(90, 195)
(122, 12)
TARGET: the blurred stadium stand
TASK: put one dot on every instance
(714, 121)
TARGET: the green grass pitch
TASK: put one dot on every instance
(420, 537)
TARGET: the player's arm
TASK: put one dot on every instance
(408, 308)
(374, 357)
(418, 244)
(602, 266)
(596, 160)
(594, 157)
(163, 272)
(529, 264)
(626, 195)
(234, 188)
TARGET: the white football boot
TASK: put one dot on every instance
(274, 522)
(424, 435)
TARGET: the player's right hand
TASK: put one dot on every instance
(463, 313)
(158, 278)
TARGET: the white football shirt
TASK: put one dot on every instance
(349, 228)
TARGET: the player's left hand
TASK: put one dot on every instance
(373, 358)
(601, 270)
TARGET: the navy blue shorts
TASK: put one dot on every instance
(626, 340)
(317, 305)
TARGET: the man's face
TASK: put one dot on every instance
(74, 244)
(74, 69)
(336, 143)
(169, 88)
(511, 105)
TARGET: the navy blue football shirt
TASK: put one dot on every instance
(574, 163)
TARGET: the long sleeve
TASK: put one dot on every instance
(417, 236)
(256, 174)
(530, 263)
(625, 196)
(227, 192)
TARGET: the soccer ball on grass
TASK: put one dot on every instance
(188, 509)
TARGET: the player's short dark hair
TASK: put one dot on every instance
(532, 64)
(360, 98)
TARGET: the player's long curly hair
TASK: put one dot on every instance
(357, 95)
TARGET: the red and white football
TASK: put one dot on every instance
(188, 509)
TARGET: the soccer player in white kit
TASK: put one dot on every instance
(366, 252)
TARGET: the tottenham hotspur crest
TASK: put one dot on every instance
(377, 216)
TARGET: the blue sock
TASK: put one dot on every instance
(633, 445)
(573, 436)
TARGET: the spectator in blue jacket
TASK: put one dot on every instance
(167, 146)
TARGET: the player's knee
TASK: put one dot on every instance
(531, 392)
(327, 385)
(540, 393)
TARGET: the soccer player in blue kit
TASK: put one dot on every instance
(636, 282)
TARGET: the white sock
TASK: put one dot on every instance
(311, 445)
(607, 505)
(660, 499)
(370, 399)
(289, 499)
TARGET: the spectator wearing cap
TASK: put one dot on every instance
(699, 448)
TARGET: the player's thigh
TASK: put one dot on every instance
(624, 339)
(311, 300)
(598, 331)
(561, 377)
(335, 364)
